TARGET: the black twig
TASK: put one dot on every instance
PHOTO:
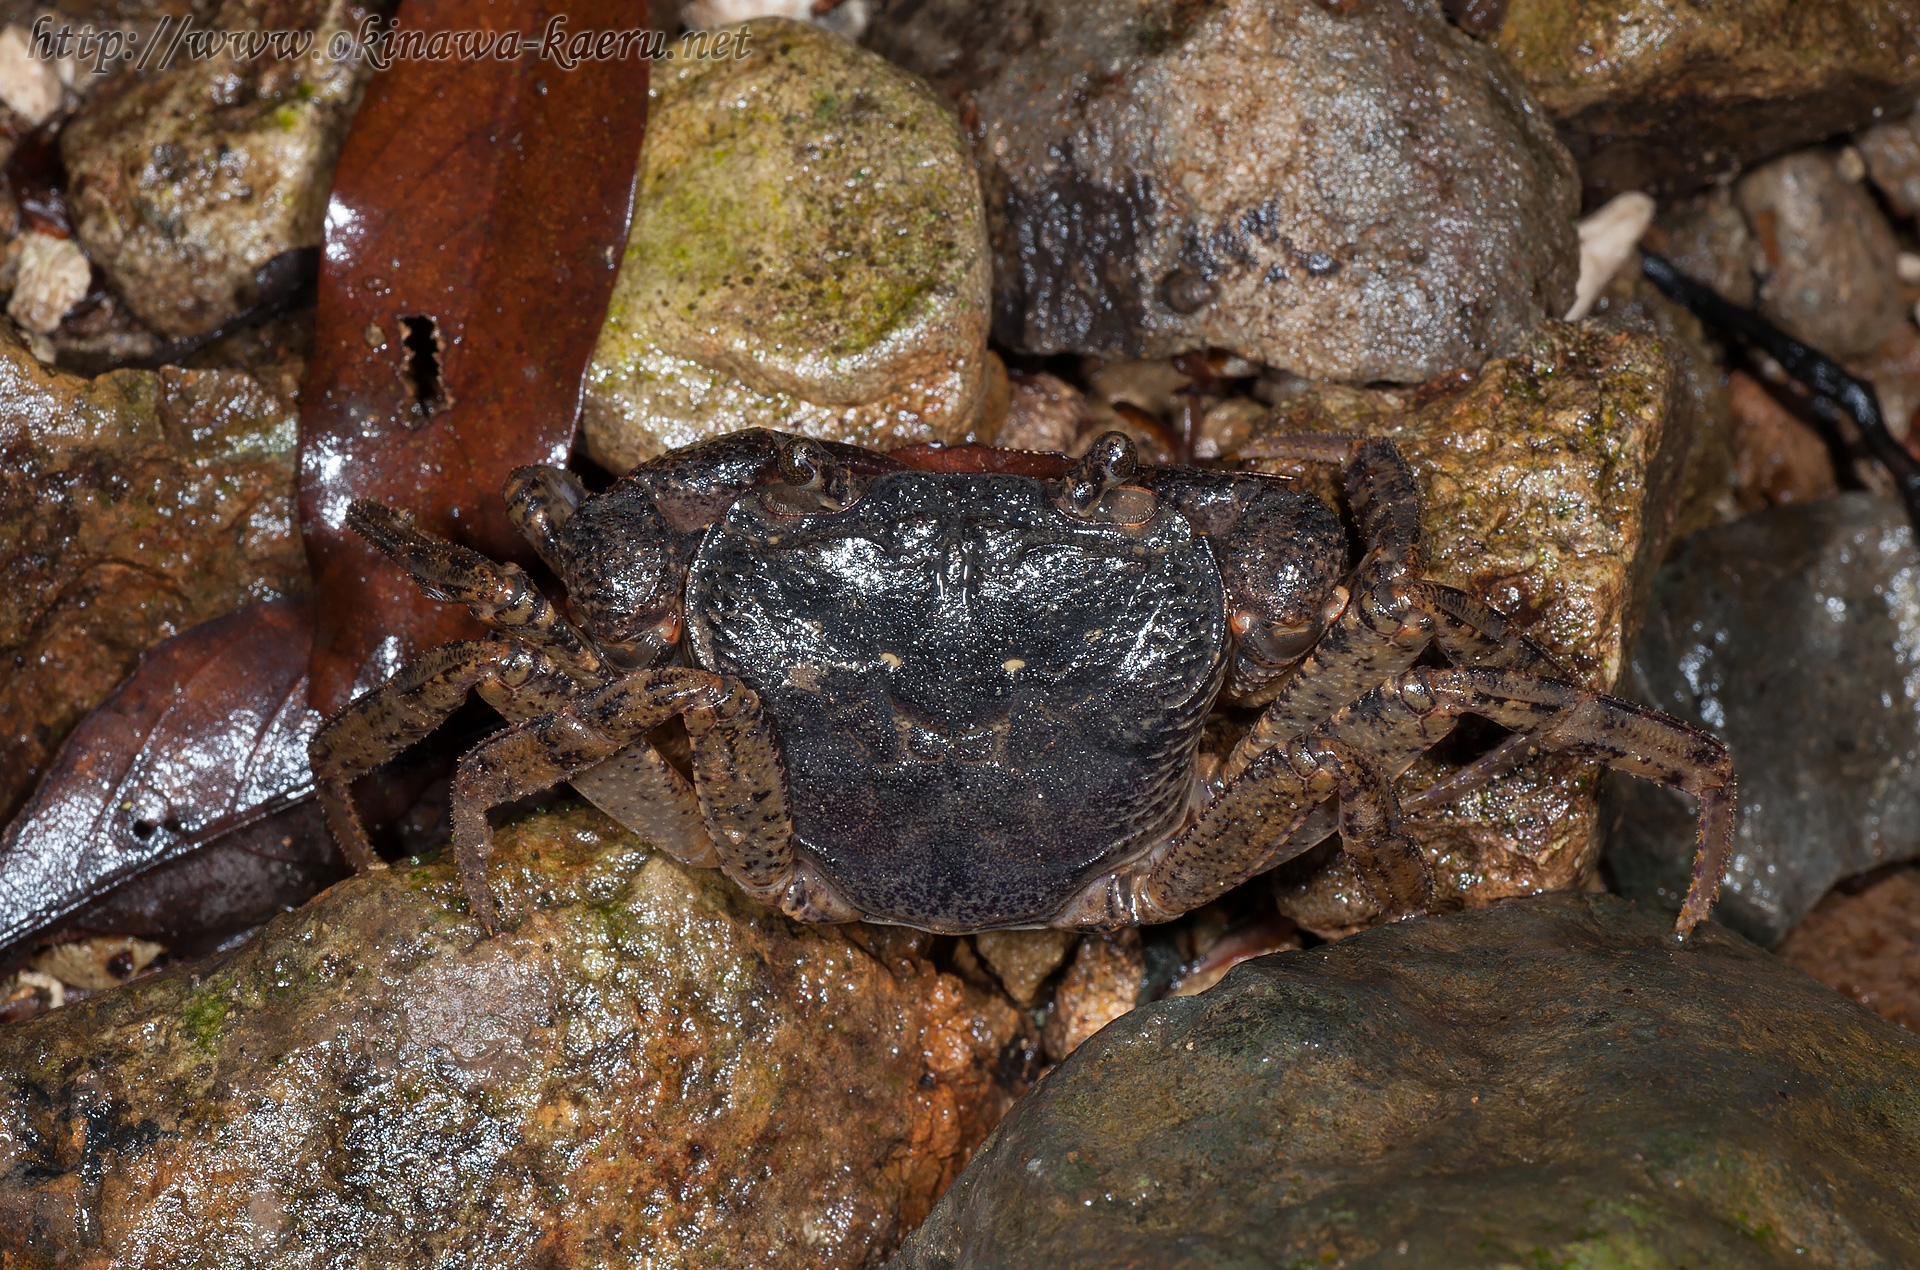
(1833, 391)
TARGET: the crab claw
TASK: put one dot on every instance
(1109, 461)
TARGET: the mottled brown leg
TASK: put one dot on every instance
(1381, 633)
(1388, 864)
(501, 596)
(416, 699)
(1266, 815)
(736, 766)
(1262, 817)
(541, 499)
(1395, 723)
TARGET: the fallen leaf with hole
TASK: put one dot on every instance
(206, 739)
(477, 217)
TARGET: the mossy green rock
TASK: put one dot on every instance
(1664, 97)
(1552, 483)
(1548, 1082)
(642, 1069)
(808, 253)
(185, 181)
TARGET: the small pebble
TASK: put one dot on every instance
(1851, 166)
(1907, 265)
(29, 86)
(53, 277)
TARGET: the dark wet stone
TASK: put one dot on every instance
(643, 1069)
(1347, 191)
(1706, 238)
(1663, 97)
(1546, 1082)
(1794, 635)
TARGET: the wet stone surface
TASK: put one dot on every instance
(1102, 983)
(1664, 97)
(1863, 940)
(1794, 635)
(1824, 254)
(132, 506)
(807, 254)
(1551, 485)
(1546, 1082)
(1353, 192)
(644, 1068)
(185, 182)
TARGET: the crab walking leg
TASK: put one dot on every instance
(1380, 488)
(736, 768)
(1411, 710)
(1258, 820)
(501, 596)
(378, 724)
(1250, 827)
(1381, 633)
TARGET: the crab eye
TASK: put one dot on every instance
(1109, 461)
(808, 469)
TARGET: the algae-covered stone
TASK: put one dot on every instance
(184, 182)
(808, 253)
(1663, 97)
(1349, 191)
(132, 506)
(1551, 486)
(642, 1069)
(1549, 1082)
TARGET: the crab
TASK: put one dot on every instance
(968, 694)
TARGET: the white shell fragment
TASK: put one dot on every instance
(54, 276)
(1607, 239)
(30, 87)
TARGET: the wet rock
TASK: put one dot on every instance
(1794, 635)
(1706, 238)
(1044, 412)
(1892, 155)
(1546, 1082)
(1353, 192)
(1664, 97)
(1824, 254)
(185, 182)
(1103, 983)
(132, 506)
(1708, 492)
(1551, 484)
(1778, 459)
(1024, 959)
(30, 86)
(1894, 371)
(644, 1068)
(1863, 940)
(807, 254)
